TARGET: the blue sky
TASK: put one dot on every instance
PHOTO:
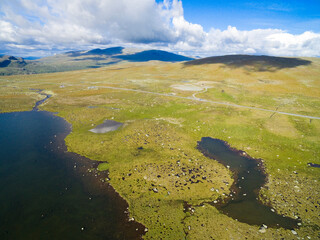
(296, 16)
(190, 27)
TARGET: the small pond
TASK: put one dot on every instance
(243, 205)
(106, 126)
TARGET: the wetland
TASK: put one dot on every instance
(168, 185)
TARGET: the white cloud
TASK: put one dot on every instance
(75, 24)
(78, 23)
(259, 41)
(7, 33)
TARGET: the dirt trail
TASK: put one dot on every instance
(194, 98)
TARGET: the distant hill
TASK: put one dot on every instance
(158, 55)
(117, 52)
(108, 52)
(77, 60)
(11, 61)
(31, 58)
(252, 62)
(96, 58)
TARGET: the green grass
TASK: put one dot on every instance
(103, 167)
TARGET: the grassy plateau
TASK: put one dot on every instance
(152, 159)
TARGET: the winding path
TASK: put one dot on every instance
(195, 94)
(194, 98)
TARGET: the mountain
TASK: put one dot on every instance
(77, 60)
(158, 55)
(96, 58)
(31, 58)
(69, 61)
(140, 56)
(107, 52)
(11, 61)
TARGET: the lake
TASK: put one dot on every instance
(48, 193)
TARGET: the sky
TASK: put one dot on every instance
(190, 27)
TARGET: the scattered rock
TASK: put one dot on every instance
(155, 190)
(262, 229)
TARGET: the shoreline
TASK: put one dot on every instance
(94, 181)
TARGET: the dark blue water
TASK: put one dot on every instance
(47, 193)
(249, 177)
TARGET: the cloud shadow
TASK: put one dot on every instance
(251, 62)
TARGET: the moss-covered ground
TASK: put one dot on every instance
(152, 159)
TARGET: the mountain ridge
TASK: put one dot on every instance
(96, 58)
(11, 61)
